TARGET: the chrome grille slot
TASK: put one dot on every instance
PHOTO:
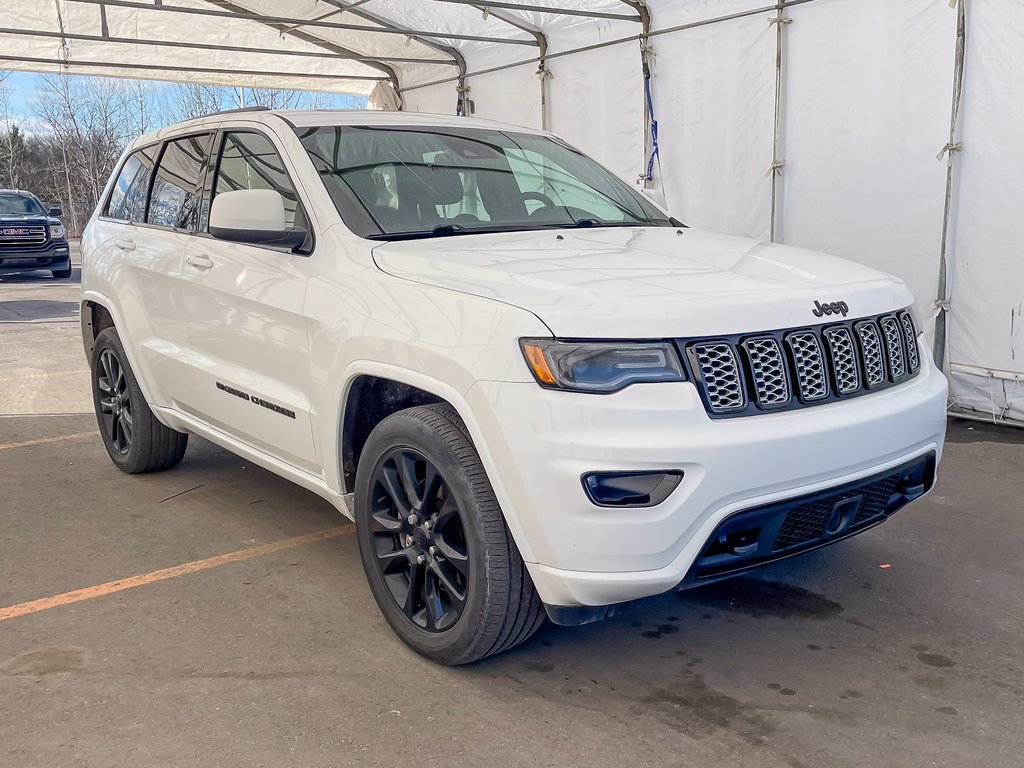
(844, 359)
(893, 346)
(720, 373)
(768, 369)
(910, 336)
(871, 352)
(809, 363)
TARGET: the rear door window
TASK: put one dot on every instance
(177, 186)
(250, 161)
(128, 198)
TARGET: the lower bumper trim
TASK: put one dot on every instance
(775, 531)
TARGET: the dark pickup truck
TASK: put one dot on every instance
(31, 236)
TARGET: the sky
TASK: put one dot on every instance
(22, 88)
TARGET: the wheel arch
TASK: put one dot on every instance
(98, 312)
(421, 389)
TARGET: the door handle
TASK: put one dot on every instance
(125, 245)
(199, 261)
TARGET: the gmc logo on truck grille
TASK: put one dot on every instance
(15, 232)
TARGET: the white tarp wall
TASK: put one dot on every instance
(837, 152)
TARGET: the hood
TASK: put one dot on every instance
(26, 220)
(654, 282)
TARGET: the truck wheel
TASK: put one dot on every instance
(439, 559)
(61, 274)
(135, 440)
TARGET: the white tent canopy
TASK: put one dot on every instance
(814, 122)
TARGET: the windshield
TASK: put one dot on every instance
(17, 205)
(395, 183)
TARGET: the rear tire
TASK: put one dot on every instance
(61, 274)
(135, 441)
(439, 559)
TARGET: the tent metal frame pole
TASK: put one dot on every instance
(266, 19)
(542, 43)
(775, 171)
(209, 47)
(617, 41)
(500, 4)
(66, 63)
(646, 57)
(448, 50)
(307, 37)
(953, 147)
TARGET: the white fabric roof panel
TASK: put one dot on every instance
(866, 90)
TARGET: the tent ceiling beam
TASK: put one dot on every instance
(212, 47)
(70, 63)
(307, 37)
(544, 9)
(286, 20)
(448, 50)
(619, 41)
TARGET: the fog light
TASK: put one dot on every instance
(631, 489)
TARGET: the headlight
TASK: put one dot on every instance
(58, 232)
(600, 366)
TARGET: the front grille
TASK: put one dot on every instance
(893, 345)
(800, 367)
(913, 356)
(771, 385)
(810, 365)
(13, 237)
(871, 352)
(720, 372)
(844, 359)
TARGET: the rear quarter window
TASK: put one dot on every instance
(131, 189)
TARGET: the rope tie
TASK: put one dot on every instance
(776, 20)
(776, 168)
(941, 305)
(544, 73)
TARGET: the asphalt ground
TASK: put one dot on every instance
(249, 637)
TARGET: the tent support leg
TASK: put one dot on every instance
(952, 147)
(780, 21)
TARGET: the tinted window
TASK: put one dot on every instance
(128, 198)
(174, 201)
(250, 161)
(426, 182)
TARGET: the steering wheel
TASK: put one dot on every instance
(540, 197)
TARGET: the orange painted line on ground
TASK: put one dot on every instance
(45, 440)
(78, 595)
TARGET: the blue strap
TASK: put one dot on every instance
(655, 150)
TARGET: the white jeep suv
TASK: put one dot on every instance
(534, 391)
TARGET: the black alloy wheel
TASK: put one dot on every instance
(135, 439)
(440, 562)
(419, 540)
(115, 402)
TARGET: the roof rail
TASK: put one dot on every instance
(238, 109)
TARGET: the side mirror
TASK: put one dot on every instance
(253, 216)
(56, 212)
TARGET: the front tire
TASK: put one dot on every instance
(439, 559)
(135, 441)
(61, 274)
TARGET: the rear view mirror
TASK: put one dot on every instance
(56, 211)
(253, 216)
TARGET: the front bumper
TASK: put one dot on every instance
(541, 442)
(54, 254)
